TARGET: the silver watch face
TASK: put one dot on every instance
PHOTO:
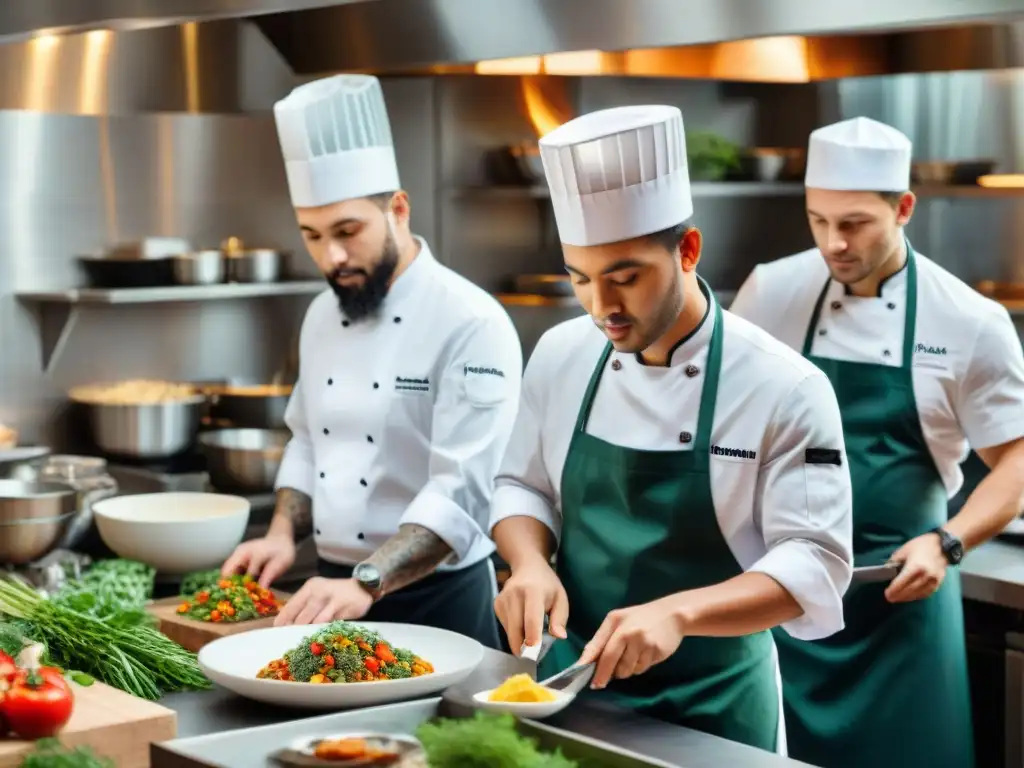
(368, 575)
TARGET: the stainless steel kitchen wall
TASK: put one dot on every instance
(956, 116)
(107, 138)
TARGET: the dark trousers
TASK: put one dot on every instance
(459, 601)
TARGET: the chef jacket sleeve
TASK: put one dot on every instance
(803, 506)
(523, 486)
(296, 470)
(474, 410)
(990, 394)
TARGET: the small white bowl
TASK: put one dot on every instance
(176, 533)
(533, 710)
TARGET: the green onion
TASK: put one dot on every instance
(128, 655)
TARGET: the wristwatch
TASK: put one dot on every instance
(369, 578)
(952, 547)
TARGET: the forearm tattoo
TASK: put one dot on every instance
(408, 556)
(297, 507)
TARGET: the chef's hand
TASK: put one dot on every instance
(924, 568)
(266, 559)
(532, 592)
(322, 600)
(632, 640)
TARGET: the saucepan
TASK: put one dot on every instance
(243, 461)
(259, 406)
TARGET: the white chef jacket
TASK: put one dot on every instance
(779, 514)
(403, 418)
(968, 367)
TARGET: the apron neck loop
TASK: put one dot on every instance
(909, 317)
(709, 392)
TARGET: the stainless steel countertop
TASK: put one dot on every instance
(994, 573)
(219, 710)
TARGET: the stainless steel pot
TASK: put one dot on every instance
(258, 265)
(147, 431)
(34, 517)
(199, 268)
(244, 460)
(251, 406)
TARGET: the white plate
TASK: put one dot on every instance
(22, 453)
(234, 661)
(533, 710)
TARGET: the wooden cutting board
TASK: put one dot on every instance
(193, 635)
(112, 722)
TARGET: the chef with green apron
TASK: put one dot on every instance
(689, 468)
(924, 369)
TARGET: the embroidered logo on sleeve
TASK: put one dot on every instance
(485, 385)
(823, 456)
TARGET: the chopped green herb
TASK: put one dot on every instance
(484, 740)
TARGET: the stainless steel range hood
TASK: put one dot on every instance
(22, 19)
(838, 38)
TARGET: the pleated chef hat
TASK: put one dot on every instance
(859, 154)
(617, 174)
(336, 140)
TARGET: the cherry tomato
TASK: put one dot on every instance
(371, 664)
(37, 704)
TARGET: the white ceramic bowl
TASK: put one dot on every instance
(176, 533)
(234, 661)
(533, 710)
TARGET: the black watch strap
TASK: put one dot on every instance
(952, 547)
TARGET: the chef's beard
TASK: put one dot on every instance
(643, 333)
(358, 302)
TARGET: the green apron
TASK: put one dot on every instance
(890, 689)
(640, 525)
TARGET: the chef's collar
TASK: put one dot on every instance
(413, 276)
(893, 282)
(692, 344)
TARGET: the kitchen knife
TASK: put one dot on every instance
(877, 573)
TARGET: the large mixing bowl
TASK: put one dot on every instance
(176, 533)
(149, 431)
(244, 460)
(34, 517)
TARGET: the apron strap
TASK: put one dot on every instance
(909, 317)
(588, 397)
(712, 372)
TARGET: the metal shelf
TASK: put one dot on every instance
(725, 298)
(704, 189)
(174, 293)
(59, 311)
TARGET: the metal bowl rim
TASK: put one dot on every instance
(37, 520)
(50, 489)
(211, 438)
(192, 400)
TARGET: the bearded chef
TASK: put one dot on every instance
(408, 386)
(689, 468)
(924, 368)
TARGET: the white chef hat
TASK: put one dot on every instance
(617, 174)
(336, 140)
(859, 154)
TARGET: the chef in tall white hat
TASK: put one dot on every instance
(688, 468)
(408, 386)
(924, 369)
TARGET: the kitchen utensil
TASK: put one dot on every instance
(258, 265)
(111, 722)
(233, 662)
(536, 710)
(176, 533)
(877, 573)
(145, 431)
(200, 268)
(261, 406)
(542, 285)
(109, 272)
(571, 680)
(193, 635)
(950, 171)
(34, 518)
(149, 248)
(243, 460)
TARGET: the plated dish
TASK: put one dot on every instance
(342, 652)
(289, 666)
